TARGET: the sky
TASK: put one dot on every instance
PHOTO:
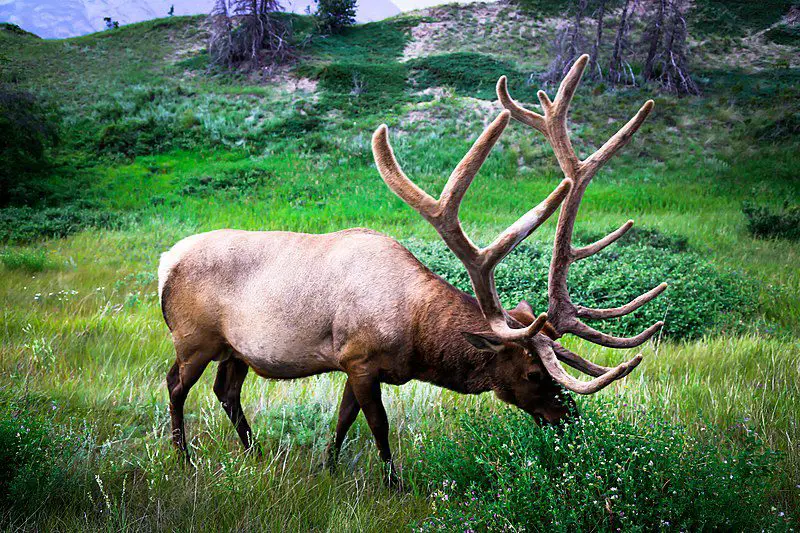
(405, 5)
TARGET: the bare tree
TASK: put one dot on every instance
(248, 33)
(601, 11)
(567, 45)
(653, 38)
(673, 70)
(620, 71)
(220, 42)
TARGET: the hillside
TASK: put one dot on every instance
(51, 19)
(153, 144)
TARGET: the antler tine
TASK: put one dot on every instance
(519, 113)
(527, 224)
(443, 216)
(462, 176)
(394, 176)
(603, 339)
(614, 312)
(568, 86)
(555, 370)
(593, 163)
(586, 251)
(579, 363)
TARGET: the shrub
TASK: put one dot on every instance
(784, 34)
(784, 128)
(599, 472)
(735, 17)
(27, 134)
(26, 260)
(135, 136)
(364, 78)
(470, 73)
(335, 15)
(764, 221)
(24, 224)
(700, 298)
(301, 424)
(240, 181)
(33, 461)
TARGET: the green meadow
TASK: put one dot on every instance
(155, 145)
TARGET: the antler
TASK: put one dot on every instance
(443, 216)
(563, 315)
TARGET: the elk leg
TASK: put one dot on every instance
(367, 391)
(180, 379)
(348, 411)
(228, 388)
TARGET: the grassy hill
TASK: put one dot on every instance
(154, 146)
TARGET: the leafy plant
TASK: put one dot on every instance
(34, 466)
(764, 221)
(470, 73)
(610, 469)
(24, 224)
(699, 299)
(28, 132)
(784, 34)
(26, 260)
(239, 181)
(378, 80)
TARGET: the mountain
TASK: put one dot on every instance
(57, 19)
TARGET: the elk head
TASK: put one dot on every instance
(528, 357)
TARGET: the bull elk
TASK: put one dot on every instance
(290, 305)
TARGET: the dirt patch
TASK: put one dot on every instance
(496, 28)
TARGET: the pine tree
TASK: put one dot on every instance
(335, 15)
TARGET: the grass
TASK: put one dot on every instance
(26, 260)
(154, 149)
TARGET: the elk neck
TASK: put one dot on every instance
(441, 354)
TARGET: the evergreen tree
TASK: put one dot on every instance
(335, 15)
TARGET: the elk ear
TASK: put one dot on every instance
(523, 313)
(487, 342)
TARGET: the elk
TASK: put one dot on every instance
(290, 305)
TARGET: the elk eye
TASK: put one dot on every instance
(534, 377)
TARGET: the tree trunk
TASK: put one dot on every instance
(615, 73)
(655, 39)
(601, 11)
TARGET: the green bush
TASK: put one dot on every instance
(364, 78)
(26, 260)
(135, 136)
(34, 466)
(735, 17)
(600, 472)
(471, 74)
(378, 42)
(240, 181)
(700, 298)
(784, 128)
(24, 224)
(27, 134)
(543, 8)
(300, 424)
(783, 34)
(764, 221)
